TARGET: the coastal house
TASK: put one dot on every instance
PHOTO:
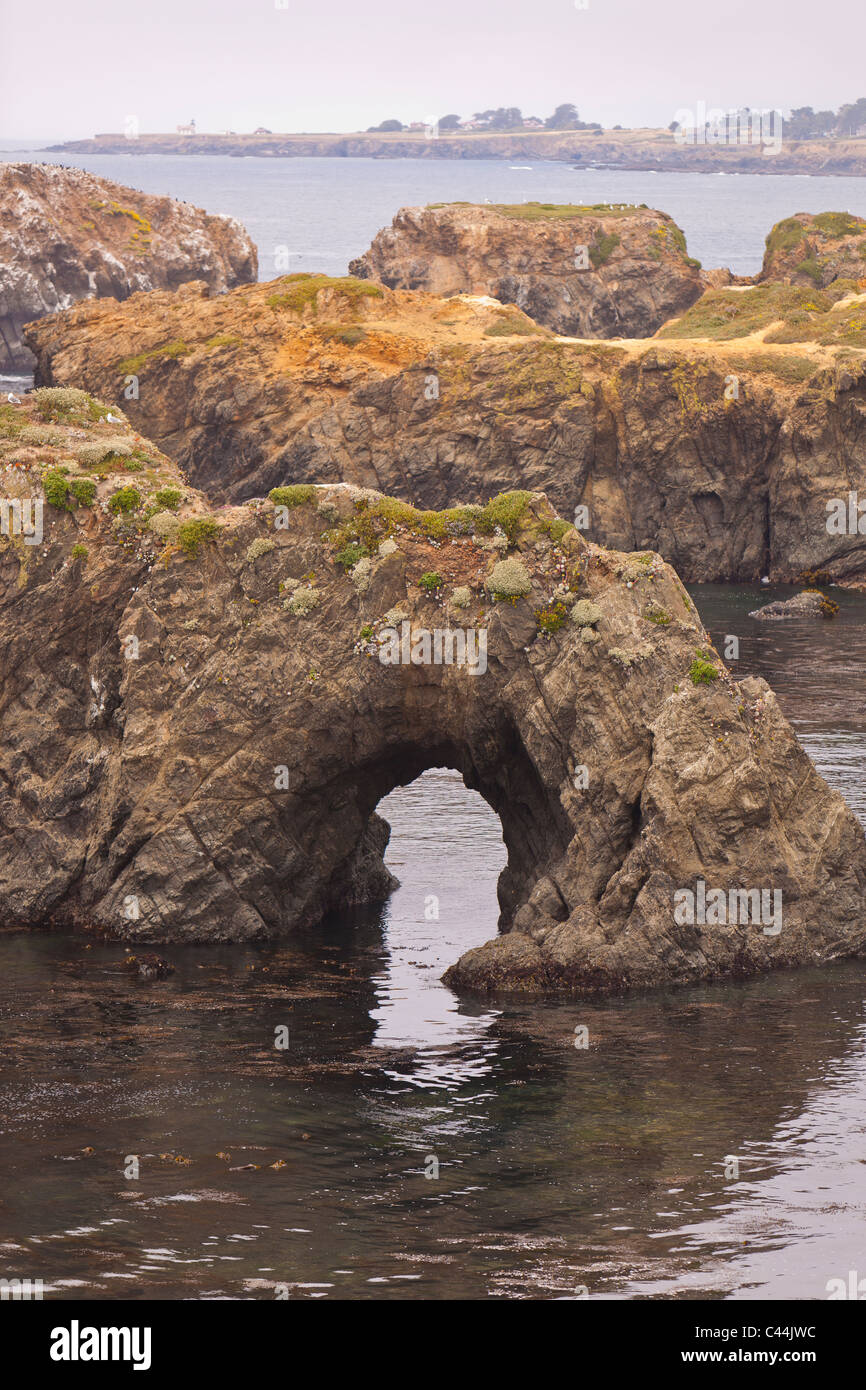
(186, 129)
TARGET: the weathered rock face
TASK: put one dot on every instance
(589, 273)
(723, 456)
(203, 711)
(67, 235)
(814, 250)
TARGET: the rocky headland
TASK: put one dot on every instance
(588, 272)
(204, 706)
(720, 442)
(610, 149)
(814, 250)
(67, 235)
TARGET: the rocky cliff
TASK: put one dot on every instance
(202, 710)
(67, 235)
(816, 250)
(591, 272)
(722, 447)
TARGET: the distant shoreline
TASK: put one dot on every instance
(634, 150)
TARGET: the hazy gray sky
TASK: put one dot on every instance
(74, 68)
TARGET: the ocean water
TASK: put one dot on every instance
(408, 1144)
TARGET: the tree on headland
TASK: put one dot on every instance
(565, 117)
(806, 124)
(450, 122)
(386, 125)
(500, 118)
(852, 117)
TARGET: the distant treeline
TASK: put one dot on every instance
(565, 117)
(806, 124)
(802, 124)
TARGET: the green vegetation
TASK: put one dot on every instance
(431, 582)
(84, 491)
(784, 236)
(131, 366)
(11, 423)
(722, 315)
(550, 618)
(702, 671)
(603, 248)
(56, 488)
(79, 552)
(841, 326)
(192, 534)
(295, 495)
(104, 451)
(339, 333)
(505, 511)
(839, 224)
(168, 498)
(510, 323)
(783, 365)
(164, 524)
(67, 405)
(350, 554)
(301, 289)
(126, 499)
(545, 212)
(654, 613)
(377, 519)
(558, 528)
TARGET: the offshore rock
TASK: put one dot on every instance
(67, 235)
(610, 271)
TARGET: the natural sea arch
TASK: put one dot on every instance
(223, 784)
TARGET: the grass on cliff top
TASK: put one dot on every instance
(842, 326)
(789, 233)
(545, 212)
(721, 315)
(299, 290)
(131, 366)
(784, 366)
(512, 323)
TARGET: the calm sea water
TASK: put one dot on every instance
(558, 1169)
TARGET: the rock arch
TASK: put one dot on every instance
(223, 784)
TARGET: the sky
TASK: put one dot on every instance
(72, 69)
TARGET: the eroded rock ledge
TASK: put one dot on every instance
(721, 447)
(67, 235)
(198, 725)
